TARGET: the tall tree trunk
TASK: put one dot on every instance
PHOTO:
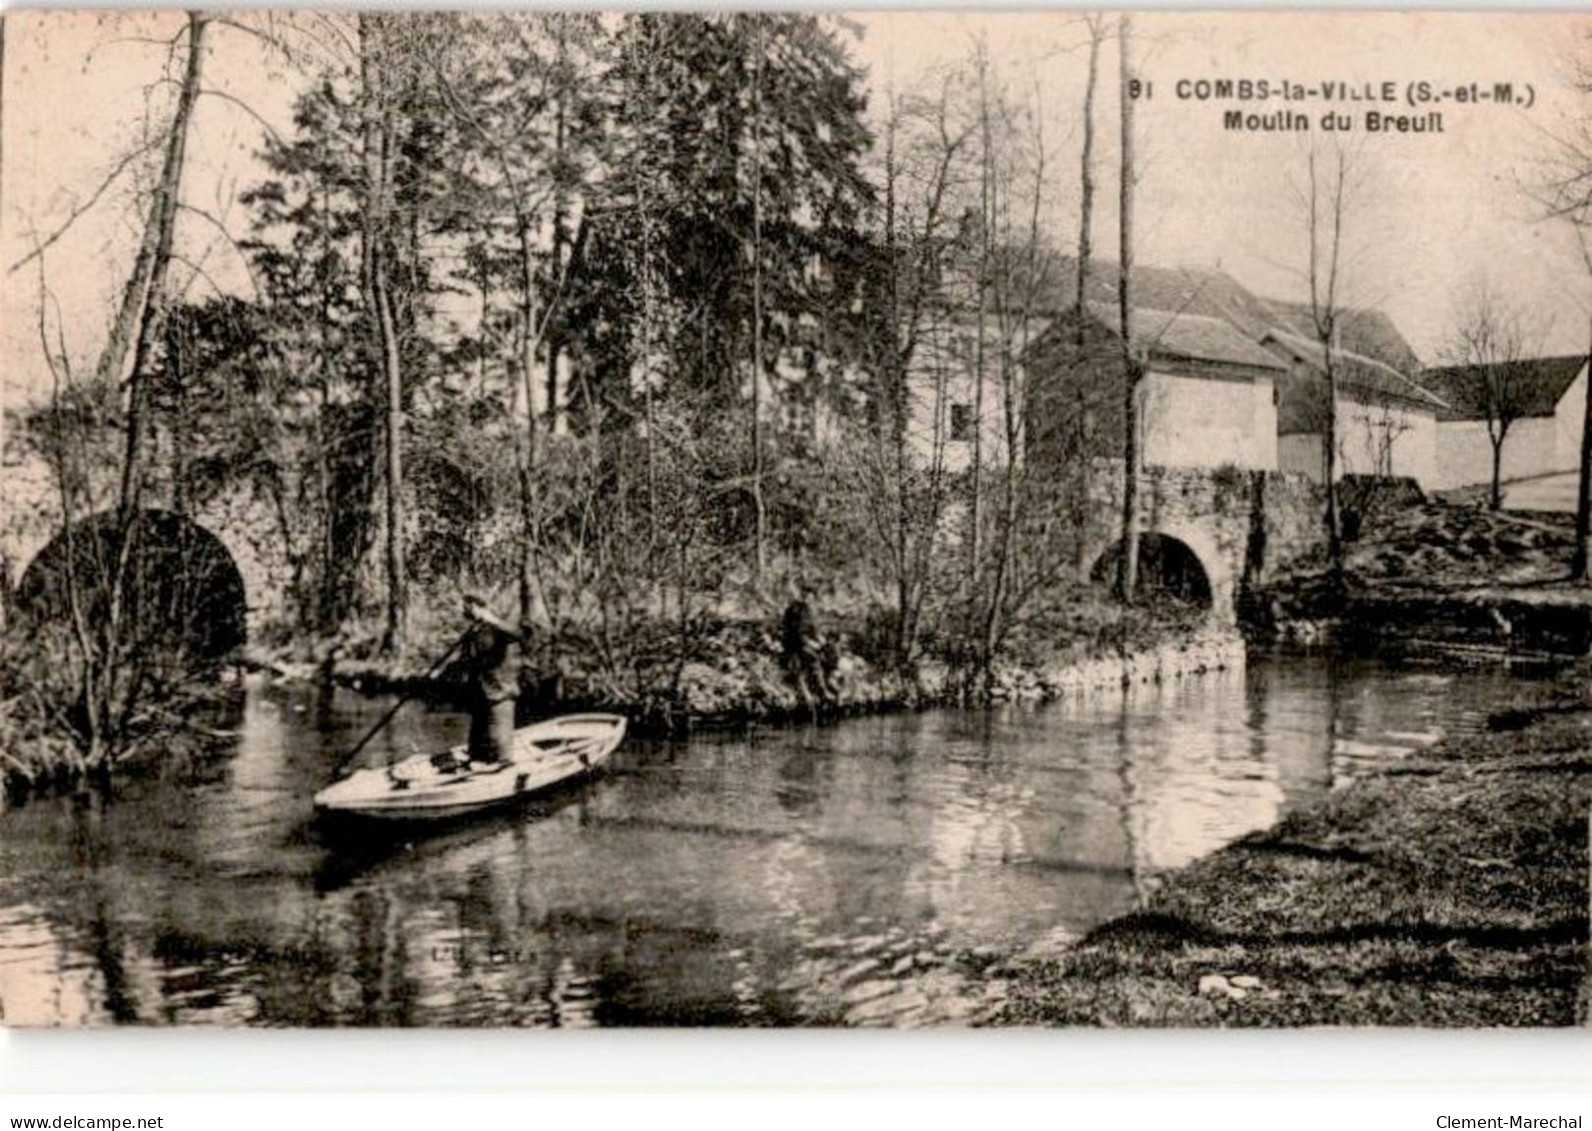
(526, 448)
(648, 316)
(1495, 497)
(177, 367)
(895, 395)
(376, 143)
(1128, 571)
(1324, 312)
(641, 91)
(1076, 433)
(142, 303)
(1086, 174)
(392, 372)
(329, 604)
(555, 333)
(1006, 532)
(975, 471)
(758, 504)
(1329, 442)
(1582, 553)
(142, 284)
(110, 697)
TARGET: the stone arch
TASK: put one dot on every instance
(1185, 545)
(186, 589)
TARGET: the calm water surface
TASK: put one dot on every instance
(875, 871)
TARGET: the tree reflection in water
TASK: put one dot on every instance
(873, 872)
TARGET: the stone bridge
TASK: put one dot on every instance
(1240, 526)
(233, 535)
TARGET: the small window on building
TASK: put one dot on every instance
(961, 423)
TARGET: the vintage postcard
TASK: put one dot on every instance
(726, 518)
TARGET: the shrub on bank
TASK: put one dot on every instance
(721, 663)
(173, 716)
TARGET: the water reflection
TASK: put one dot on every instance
(876, 872)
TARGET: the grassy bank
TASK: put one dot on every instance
(180, 718)
(722, 667)
(1450, 890)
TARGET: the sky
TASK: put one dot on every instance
(1436, 212)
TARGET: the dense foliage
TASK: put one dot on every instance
(634, 321)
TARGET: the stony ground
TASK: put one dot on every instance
(1444, 546)
(1450, 891)
(1450, 576)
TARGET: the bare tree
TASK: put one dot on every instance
(1132, 368)
(377, 60)
(1490, 343)
(899, 467)
(987, 156)
(1384, 423)
(1021, 279)
(1562, 189)
(1010, 554)
(759, 504)
(526, 164)
(110, 682)
(1096, 23)
(1074, 418)
(1325, 198)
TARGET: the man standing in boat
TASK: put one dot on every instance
(491, 664)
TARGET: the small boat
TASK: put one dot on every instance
(434, 787)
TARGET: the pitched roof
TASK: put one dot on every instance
(1193, 337)
(1360, 330)
(1355, 372)
(1212, 293)
(1542, 382)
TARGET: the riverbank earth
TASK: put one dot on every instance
(1450, 889)
(727, 670)
(1427, 573)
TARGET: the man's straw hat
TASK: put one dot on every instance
(477, 608)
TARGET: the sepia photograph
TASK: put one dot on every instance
(565, 519)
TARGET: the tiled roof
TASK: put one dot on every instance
(1194, 337)
(1359, 330)
(1355, 372)
(1541, 383)
(1212, 293)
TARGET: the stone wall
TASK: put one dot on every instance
(1215, 649)
(1242, 525)
(30, 519)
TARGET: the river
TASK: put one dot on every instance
(876, 871)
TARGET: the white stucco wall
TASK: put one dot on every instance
(1202, 422)
(1387, 439)
(962, 389)
(1568, 418)
(1464, 453)
(1535, 446)
(943, 375)
(1373, 439)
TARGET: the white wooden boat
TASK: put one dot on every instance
(433, 787)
